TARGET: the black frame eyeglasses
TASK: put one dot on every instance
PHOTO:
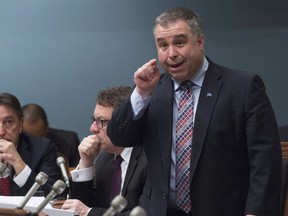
(100, 122)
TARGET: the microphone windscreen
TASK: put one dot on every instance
(59, 186)
(138, 211)
(41, 178)
(3, 167)
(60, 160)
(119, 203)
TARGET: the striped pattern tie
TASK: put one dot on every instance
(184, 133)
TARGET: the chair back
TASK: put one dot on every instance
(284, 189)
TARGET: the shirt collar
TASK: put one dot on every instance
(126, 154)
(198, 77)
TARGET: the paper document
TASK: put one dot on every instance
(14, 201)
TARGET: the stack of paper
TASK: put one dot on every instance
(14, 201)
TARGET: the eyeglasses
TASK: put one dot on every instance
(99, 122)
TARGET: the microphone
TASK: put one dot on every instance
(4, 170)
(61, 164)
(40, 179)
(3, 167)
(138, 211)
(117, 205)
(58, 187)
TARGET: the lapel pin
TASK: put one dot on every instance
(209, 94)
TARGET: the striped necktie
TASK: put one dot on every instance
(184, 133)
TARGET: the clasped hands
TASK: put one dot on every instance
(10, 155)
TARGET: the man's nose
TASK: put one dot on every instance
(94, 128)
(173, 52)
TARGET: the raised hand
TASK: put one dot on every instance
(146, 78)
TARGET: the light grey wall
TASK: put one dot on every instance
(60, 53)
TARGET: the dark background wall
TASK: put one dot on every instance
(60, 53)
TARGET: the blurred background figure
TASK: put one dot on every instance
(25, 155)
(35, 122)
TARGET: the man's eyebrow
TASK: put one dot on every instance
(160, 39)
(9, 117)
(180, 36)
(174, 37)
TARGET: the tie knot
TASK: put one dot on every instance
(186, 85)
(118, 159)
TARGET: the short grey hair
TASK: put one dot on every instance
(180, 13)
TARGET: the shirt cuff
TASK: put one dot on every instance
(81, 175)
(22, 177)
(138, 102)
(89, 211)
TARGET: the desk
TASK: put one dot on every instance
(17, 212)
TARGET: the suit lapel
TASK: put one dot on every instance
(208, 97)
(23, 150)
(131, 168)
(164, 113)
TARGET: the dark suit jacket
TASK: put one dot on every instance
(40, 155)
(236, 155)
(283, 132)
(67, 143)
(99, 197)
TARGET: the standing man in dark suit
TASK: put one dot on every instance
(35, 122)
(134, 165)
(234, 166)
(25, 155)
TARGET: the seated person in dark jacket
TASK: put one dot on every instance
(24, 155)
(283, 132)
(133, 167)
(35, 121)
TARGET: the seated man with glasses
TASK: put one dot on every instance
(92, 184)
